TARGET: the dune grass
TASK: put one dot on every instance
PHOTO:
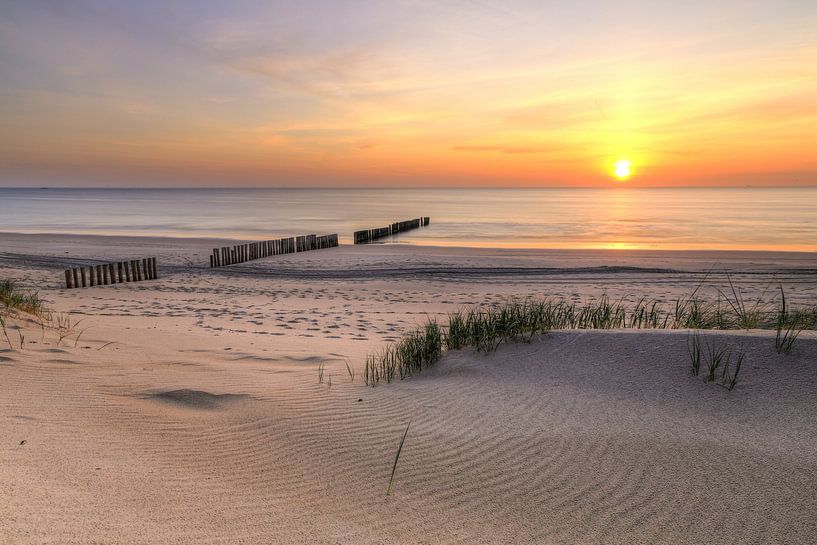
(411, 354)
(15, 299)
(695, 352)
(788, 326)
(485, 328)
(716, 356)
(17, 303)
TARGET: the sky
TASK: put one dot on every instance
(407, 93)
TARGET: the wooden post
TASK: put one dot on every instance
(153, 268)
(111, 270)
(91, 274)
(68, 285)
(76, 277)
(145, 269)
(127, 271)
(119, 272)
(99, 275)
(82, 273)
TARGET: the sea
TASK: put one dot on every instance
(745, 218)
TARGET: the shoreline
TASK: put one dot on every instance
(7, 237)
(454, 245)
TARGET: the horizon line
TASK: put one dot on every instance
(319, 188)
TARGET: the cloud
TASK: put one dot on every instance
(501, 149)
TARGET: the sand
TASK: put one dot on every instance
(190, 411)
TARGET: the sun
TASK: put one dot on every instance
(622, 170)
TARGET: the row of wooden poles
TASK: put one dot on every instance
(241, 253)
(368, 235)
(134, 270)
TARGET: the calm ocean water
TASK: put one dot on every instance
(716, 218)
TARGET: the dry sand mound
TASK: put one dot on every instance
(197, 399)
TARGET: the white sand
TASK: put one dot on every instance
(203, 421)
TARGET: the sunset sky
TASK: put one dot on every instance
(407, 93)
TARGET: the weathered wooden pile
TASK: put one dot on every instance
(368, 235)
(133, 270)
(241, 253)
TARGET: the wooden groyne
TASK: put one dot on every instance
(368, 235)
(241, 253)
(118, 272)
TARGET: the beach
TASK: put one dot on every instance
(190, 409)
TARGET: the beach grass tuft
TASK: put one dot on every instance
(788, 326)
(411, 354)
(694, 349)
(19, 303)
(730, 379)
(716, 355)
(15, 299)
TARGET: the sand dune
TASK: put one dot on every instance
(190, 412)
